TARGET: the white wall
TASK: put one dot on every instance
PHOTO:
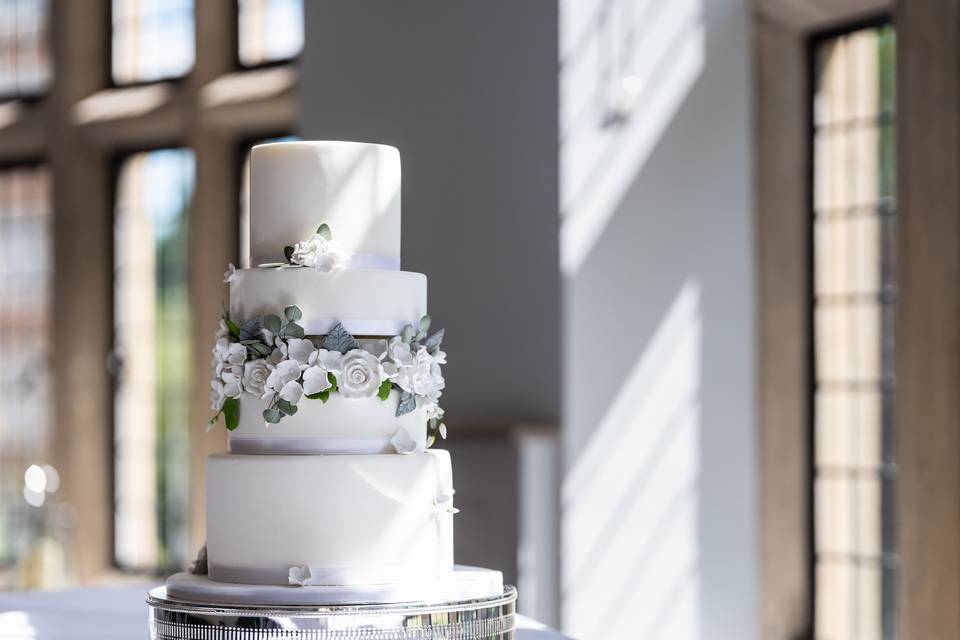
(659, 516)
(467, 91)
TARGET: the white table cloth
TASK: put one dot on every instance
(79, 614)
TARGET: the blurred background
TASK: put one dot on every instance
(697, 260)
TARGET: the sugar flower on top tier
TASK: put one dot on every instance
(318, 252)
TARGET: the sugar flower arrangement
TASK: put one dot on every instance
(269, 357)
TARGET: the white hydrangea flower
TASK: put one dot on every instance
(318, 253)
(230, 273)
(284, 372)
(443, 503)
(291, 392)
(321, 362)
(255, 374)
(236, 354)
(399, 351)
(279, 353)
(402, 442)
(222, 330)
(299, 575)
(217, 395)
(301, 350)
(360, 376)
(315, 380)
(232, 383)
(332, 361)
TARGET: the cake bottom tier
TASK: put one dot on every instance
(462, 583)
(329, 520)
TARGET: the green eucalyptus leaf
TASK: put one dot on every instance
(272, 324)
(272, 415)
(407, 334)
(433, 342)
(251, 328)
(322, 396)
(231, 413)
(286, 408)
(293, 313)
(288, 254)
(324, 232)
(384, 391)
(333, 381)
(292, 330)
(259, 349)
(430, 440)
(339, 339)
(408, 402)
(232, 327)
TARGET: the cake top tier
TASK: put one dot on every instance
(353, 187)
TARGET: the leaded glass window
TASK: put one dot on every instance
(854, 223)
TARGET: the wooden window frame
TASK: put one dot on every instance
(927, 325)
(81, 154)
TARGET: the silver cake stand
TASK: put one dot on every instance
(491, 618)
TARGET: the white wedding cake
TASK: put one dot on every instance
(327, 374)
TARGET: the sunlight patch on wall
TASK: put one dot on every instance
(630, 500)
(626, 67)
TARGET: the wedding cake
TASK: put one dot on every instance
(328, 376)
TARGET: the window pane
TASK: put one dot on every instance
(152, 357)
(853, 223)
(28, 512)
(269, 30)
(25, 65)
(152, 40)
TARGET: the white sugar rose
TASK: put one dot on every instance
(301, 350)
(255, 374)
(360, 376)
(318, 253)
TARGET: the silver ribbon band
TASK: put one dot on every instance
(309, 446)
(353, 261)
(390, 574)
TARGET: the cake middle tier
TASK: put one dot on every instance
(369, 302)
(349, 520)
(339, 426)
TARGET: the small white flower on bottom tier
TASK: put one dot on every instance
(402, 442)
(299, 575)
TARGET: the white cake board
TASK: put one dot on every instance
(464, 583)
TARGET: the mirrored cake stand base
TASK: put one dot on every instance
(196, 608)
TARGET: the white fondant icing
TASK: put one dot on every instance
(353, 187)
(340, 425)
(460, 584)
(363, 519)
(366, 301)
